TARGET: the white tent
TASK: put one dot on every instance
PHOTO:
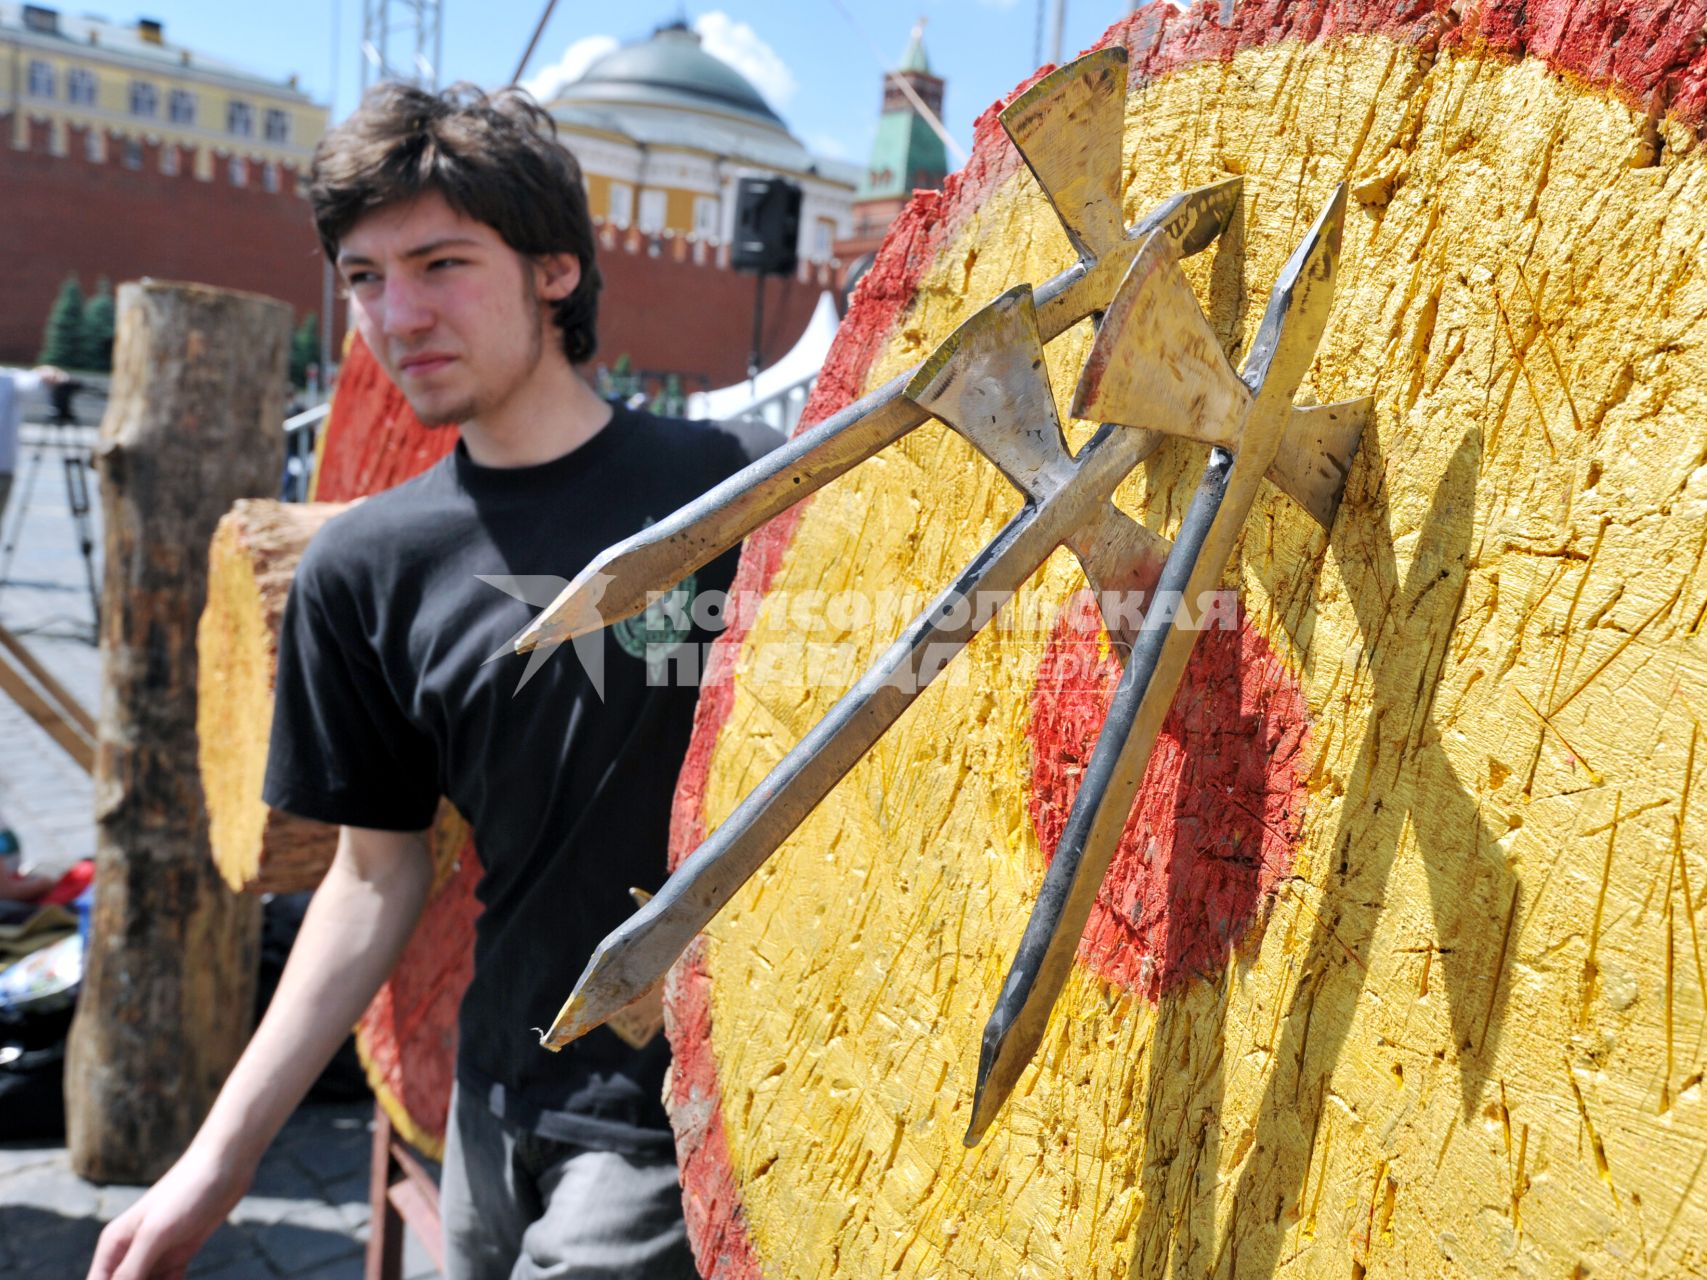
(779, 393)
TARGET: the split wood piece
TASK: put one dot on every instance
(169, 980)
(46, 701)
(251, 561)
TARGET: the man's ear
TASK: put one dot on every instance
(559, 274)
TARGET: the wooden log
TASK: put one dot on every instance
(1398, 971)
(253, 556)
(169, 983)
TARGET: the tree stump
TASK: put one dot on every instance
(1399, 968)
(168, 988)
(250, 564)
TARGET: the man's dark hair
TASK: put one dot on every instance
(494, 158)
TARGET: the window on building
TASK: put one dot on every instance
(621, 204)
(80, 86)
(705, 216)
(270, 177)
(181, 107)
(239, 169)
(823, 236)
(144, 98)
(94, 146)
(278, 125)
(41, 79)
(239, 118)
(132, 156)
(169, 160)
(652, 212)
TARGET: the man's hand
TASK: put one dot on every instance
(156, 1238)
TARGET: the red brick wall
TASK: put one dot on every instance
(678, 310)
(64, 215)
(669, 312)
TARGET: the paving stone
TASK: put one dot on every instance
(349, 1268)
(115, 1199)
(230, 1244)
(46, 1243)
(55, 1188)
(281, 1178)
(293, 1246)
(332, 1157)
(17, 1157)
(352, 1189)
(253, 1268)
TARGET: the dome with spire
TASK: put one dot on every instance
(670, 70)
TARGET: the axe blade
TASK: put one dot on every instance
(1156, 361)
(1316, 454)
(987, 380)
(1291, 329)
(1068, 128)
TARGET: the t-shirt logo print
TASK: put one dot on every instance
(657, 632)
(540, 590)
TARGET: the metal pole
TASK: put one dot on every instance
(758, 321)
(1060, 31)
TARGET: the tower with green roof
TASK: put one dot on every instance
(908, 154)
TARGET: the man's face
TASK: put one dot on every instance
(455, 316)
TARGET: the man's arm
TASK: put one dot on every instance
(354, 930)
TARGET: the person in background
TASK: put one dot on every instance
(15, 384)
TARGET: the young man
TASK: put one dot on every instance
(461, 231)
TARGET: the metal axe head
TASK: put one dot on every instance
(988, 381)
(1068, 127)
(1157, 364)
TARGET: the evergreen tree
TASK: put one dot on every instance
(62, 341)
(96, 342)
(304, 349)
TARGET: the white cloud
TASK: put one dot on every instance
(576, 59)
(742, 48)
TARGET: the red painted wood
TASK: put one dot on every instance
(1216, 822)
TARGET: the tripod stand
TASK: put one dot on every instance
(58, 437)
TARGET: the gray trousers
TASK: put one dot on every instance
(516, 1206)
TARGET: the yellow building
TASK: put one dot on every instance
(126, 85)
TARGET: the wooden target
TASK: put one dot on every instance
(1398, 969)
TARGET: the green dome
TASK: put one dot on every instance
(670, 69)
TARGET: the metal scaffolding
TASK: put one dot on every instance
(402, 40)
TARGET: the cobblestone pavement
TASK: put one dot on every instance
(306, 1215)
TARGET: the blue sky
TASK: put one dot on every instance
(818, 66)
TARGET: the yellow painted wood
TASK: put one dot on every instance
(1500, 647)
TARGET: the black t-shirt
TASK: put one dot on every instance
(396, 684)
